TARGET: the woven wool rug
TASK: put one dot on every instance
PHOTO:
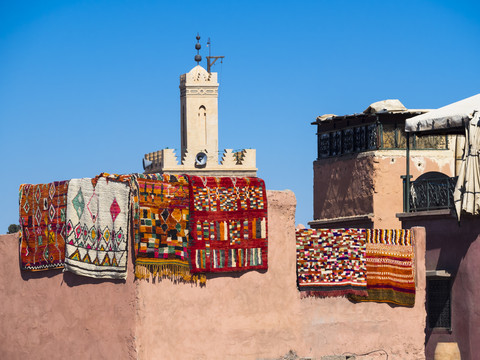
(390, 268)
(389, 236)
(98, 215)
(161, 214)
(331, 262)
(228, 224)
(42, 221)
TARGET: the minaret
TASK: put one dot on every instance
(199, 111)
(199, 131)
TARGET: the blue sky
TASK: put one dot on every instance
(91, 86)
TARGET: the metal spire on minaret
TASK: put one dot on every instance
(210, 63)
(198, 57)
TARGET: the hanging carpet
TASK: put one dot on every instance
(331, 262)
(161, 213)
(42, 221)
(228, 224)
(389, 236)
(390, 268)
(98, 214)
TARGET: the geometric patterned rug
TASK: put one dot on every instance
(228, 224)
(390, 268)
(331, 262)
(42, 221)
(161, 212)
(98, 214)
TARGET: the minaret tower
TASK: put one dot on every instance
(199, 131)
(199, 110)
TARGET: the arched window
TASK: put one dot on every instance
(202, 120)
(184, 130)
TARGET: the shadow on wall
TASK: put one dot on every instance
(75, 280)
(69, 278)
(343, 187)
(232, 274)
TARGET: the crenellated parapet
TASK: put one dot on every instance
(232, 163)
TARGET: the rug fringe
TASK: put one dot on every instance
(176, 273)
(332, 293)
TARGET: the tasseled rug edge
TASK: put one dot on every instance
(176, 273)
(332, 293)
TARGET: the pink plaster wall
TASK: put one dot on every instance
(254, 315)
(342, 186)
(456, 249)
(51, 315)
(370, 183)
(388, 197)
(260, 315)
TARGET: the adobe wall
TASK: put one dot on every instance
(389, 165)
(342, 187)
(254, 315)
(260, 315)
(55, 315)
(456, 249)
(370, 183)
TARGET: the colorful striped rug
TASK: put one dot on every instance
(42, 221)
(331, 262)
(228, 222)
(389, 236)
(390, 268)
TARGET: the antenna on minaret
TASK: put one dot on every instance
(198, 58)
(210, 63)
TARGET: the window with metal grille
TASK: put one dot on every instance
(438, 303)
